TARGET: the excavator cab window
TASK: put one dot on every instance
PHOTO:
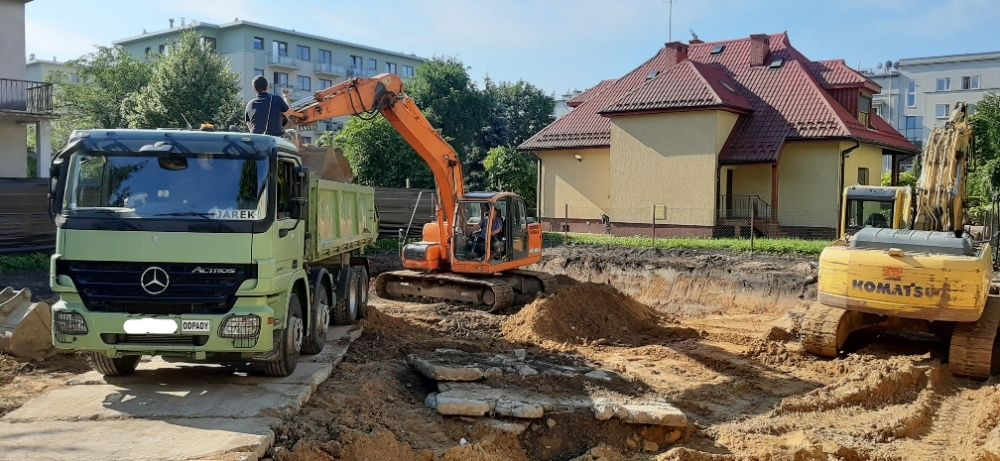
(868, 213)
(471, 230)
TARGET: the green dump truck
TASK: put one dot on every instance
(206, 246)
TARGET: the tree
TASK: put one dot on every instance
(906, 178)
(511, 171)
(985, 180)
(522, 107)
(106, 79)
(449, 98)
(378, 155)
(190, 83)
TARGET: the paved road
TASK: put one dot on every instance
(166, 411)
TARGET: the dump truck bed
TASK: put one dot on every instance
(342, 218)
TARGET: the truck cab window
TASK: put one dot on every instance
(285, 172)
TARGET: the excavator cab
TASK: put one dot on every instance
(875, 206)
(491, 228)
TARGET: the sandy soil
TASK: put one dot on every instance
(21, 380)
(692, 328)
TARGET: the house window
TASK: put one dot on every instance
(308, 140)
(390, 67)
(280, 78)
(209, 42)
(914, 130)
(148, 50)
(970, 82)
(941, 111)
(863, 176)
(911, 94)
(305, 83)
(972, 109)
(325, 56)
(258, 72)
(304, 53)
(258, 43)
(325, 83)
(279, 48)
(408, 71)
(877, 109)
(162, 49)
(357, 62)
(372, 64)
(864, 109)
(943, 84)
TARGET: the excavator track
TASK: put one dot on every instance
(974, 347)
(826, 328)
(492, 294)
(547, 281)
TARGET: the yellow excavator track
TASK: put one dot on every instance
(825, 328)
(974, 347)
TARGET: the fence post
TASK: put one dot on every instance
(752, 233)
(653, 222)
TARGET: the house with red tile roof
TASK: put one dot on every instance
(703, 133)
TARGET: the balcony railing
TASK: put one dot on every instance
(359, 72)
(26, 96)
(282, 60)
(329, 68)
(743, 207)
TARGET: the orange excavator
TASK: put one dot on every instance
(475, 248)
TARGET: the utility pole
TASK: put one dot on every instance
(670, 21)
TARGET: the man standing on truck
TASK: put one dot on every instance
(265, 113)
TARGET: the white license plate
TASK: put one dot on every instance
(188, 326)
(150, 326)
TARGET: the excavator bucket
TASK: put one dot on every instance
(25, 326)
(327, 162)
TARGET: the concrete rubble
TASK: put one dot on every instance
(458, 395)
(166, 411)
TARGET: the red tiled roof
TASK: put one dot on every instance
(586, 95)
(835, 73)
(788, 102)
(687, 85)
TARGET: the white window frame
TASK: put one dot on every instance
(975, 82)
(911, 94)
(946, 84)
(937, 111)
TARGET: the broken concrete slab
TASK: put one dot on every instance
(441, 372)
(457, 365)
(188, 438)
(454, 405)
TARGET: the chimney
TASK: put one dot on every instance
(171, 23)
(182, 21)
(31, 57)
(676, 52)
(759, 49)
(695, 41)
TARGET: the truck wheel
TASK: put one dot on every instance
(289, 342)
(346, 310)
(108, 366)
(361, 272)
(316, 339)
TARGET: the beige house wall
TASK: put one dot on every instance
(667, 159)
(583, 185)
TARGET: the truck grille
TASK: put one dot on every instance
(166, 340)
(189, 288)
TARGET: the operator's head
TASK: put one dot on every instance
(260, 84)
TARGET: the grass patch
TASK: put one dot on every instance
(382, 246)
(779, 246)
(24, 263)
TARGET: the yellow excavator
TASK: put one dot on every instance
(906, 262)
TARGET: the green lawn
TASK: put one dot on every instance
(25, 262)
(781, 246)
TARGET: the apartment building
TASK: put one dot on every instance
(300, 62)
(919, 93)
(23, 102)
(38, 69)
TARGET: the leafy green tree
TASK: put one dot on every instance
(906, 178)
(449, 98)
(106, 79)
(378, 155)
(190, 83)
(523, 108)
(985, 180)
(511, 171)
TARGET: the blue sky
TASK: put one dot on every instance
(555, 44)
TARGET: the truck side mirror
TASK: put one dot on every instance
(300, 200)
(54, 198)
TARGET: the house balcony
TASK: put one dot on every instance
(743, 207)
(282, 61)
(330, 69)
(26, 99)
(359, 72)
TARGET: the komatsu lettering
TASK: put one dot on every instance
(897, 289)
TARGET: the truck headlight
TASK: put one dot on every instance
(70, 323)
(240, 326)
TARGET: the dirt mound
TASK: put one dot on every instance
(580, 314)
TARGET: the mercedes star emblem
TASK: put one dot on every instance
(154, 280)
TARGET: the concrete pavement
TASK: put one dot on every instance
(166, 411)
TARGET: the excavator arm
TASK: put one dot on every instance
(384, 94)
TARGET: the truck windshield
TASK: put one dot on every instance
(190, 186)
(862, 213)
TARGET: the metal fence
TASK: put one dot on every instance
(25, 226)
(26, 96)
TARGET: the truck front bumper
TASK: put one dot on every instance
(117, 334)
